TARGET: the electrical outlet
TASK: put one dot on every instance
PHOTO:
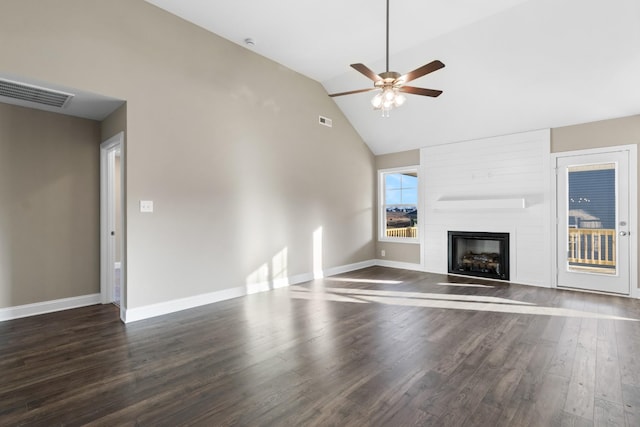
(146, 206)
(383, 253)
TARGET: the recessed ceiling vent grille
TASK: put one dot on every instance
(35, 94)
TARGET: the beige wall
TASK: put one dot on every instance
(605, 133)
(401, 252)
(49, 206)
(398, 160)
(225, 142)
(115, 123)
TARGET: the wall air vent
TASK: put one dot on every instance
(30, 93)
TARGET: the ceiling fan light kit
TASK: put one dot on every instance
(387, 99)
(390, 84)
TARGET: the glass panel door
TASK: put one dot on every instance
(593, 243)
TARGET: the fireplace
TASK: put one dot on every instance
(479, 254)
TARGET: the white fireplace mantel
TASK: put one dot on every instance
(480, 204)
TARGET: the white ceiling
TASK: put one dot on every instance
(511, 65)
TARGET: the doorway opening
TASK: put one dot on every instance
(112, 262)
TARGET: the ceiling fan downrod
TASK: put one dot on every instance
(387, 36)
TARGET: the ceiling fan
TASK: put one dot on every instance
(391, 83)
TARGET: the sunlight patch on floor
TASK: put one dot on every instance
(444, 301)
(426, 295)
(324, 297)
(465, 285)
(498, 308)
(375, 281)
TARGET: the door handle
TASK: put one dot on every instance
(623, 233)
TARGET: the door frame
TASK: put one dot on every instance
(107, 219)
(633, 212)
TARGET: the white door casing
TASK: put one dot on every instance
(591, 254)
(108, 150)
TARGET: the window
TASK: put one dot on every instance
(399, 204)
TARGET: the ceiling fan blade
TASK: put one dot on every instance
(420, 91)
(366, 71)
(352, 92)
(424, 70)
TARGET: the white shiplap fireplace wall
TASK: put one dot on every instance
(499, 184)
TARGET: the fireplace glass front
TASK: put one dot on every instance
(479, 254)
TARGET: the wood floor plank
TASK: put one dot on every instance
(502, 391)
(609, 414)
(572, 420)
(608, 378)
(628, 346)
(631, 400)
(534, 374)
(548, 403)
(562, 363)
(581, 393)
(485, 415)
(377, 346)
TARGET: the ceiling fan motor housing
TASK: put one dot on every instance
(389, 75)
(388, 79)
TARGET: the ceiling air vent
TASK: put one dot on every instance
(35, 94)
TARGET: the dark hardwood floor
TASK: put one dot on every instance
(375, 347)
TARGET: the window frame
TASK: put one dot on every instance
(382, 213)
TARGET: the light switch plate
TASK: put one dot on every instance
(146, 206)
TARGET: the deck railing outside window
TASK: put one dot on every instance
(596, 247)
(403, 232)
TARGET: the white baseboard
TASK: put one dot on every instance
(400, 265)
(349, 267)
(532, 283)
(34, 309)
(159, 309)
(167, 307)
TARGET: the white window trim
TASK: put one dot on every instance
(382, 235)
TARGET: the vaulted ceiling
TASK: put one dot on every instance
(511, 65)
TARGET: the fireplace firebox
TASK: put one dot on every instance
(479, 254)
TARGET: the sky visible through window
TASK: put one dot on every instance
(401, 189)
(400, 205)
